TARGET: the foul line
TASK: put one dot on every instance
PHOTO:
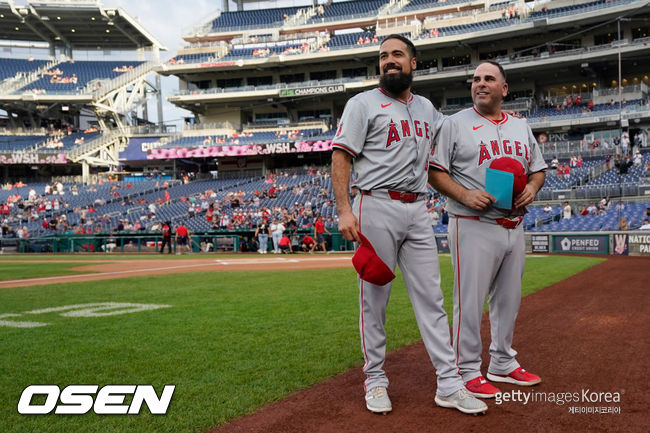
(131, 271)
(101, 273)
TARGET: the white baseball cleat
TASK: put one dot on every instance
(463, 401)
(377, 400)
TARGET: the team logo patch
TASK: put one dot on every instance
(393, 135)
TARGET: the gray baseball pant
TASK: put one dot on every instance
(401, 235)
(488, 259)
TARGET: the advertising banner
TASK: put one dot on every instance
(540, 244)
(621, 247)
(581, 244)
(443, 244)
(639, 244)
(8, 158)
(138, 147)
(240, 150)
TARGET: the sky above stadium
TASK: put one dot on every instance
(169, 20)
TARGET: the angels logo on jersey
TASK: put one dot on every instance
(421, 129)
(498, 148)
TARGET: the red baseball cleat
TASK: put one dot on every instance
(518, 376)
(481, 388)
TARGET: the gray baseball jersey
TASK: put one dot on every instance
(468, 142)
(389, 139)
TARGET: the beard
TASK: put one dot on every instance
(396, 83)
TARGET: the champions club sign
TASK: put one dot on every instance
(240, 150)
(309, 91)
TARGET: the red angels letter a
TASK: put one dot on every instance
(393, 135)
(483, 155)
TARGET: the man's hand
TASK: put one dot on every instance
(477, 199)
(525, 197)
(535, 182)
(349, 226)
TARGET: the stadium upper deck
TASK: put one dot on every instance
(309, 63)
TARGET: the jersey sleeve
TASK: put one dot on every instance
(537, 162)
(443, 145)
(351, 133)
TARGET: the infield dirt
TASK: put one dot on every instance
(586, 333)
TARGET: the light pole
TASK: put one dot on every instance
(620, 85)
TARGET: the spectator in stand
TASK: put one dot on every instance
(646, 225)
(603, 205)
(620, 206)
(623, 164)
(625, 142)
(555, 163)
(22, 232)
(566, 210)
(622, 224)
(548, 208)
(592, 209)
(583, 211)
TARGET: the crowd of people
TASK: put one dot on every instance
(235, 210)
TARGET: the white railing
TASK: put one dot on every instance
(105, 86)
(12, 85)
(300, 18)
(91, 145)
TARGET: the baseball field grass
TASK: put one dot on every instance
(229, 341)
(15, 271)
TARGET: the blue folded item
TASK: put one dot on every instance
(499, 184)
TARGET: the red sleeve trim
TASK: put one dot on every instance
(344, 148)
(438, 167)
